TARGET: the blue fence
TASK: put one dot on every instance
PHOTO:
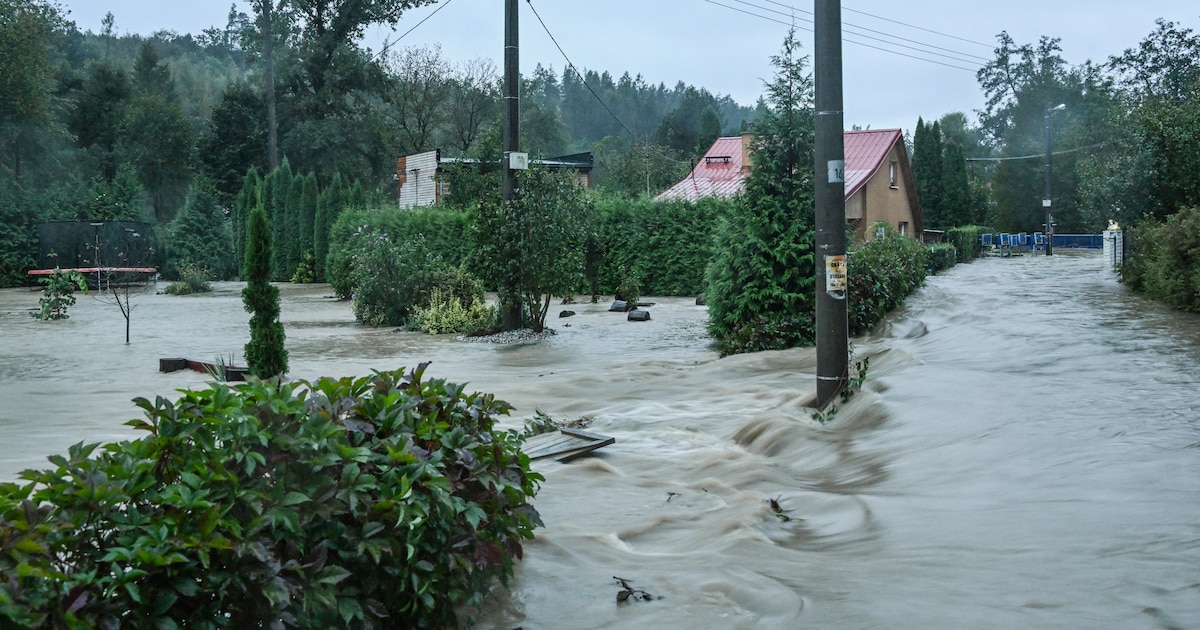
(1037, 241)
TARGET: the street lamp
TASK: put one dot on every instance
(1046, 199)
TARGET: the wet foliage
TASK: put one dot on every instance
(1164, 260)
(382, 501)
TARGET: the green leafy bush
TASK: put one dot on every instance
(383, 274)
(1164, 260)
(666, 246)
(942, 256)
(448, 314)
(965, 240)
(59, 293)
(193, 278)
(382, 501)
(444, 234)
(882, 274)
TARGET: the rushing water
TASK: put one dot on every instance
(1026, 453)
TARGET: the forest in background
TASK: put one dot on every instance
(102, 127)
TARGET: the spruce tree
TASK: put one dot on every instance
(265, 354)
(760, 283)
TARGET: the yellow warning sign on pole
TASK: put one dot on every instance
(835, 275)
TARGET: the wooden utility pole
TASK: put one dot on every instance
(510, 302)
(830, 221)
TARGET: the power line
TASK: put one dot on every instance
(919, 28)
(387, 44)
(885, 34)
(577, 72)
(853, 41)
(1036, 155)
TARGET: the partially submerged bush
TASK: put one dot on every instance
(59, 293)
(882, 274)
(965, 240)
(193, 278)
(383, 501)
(1164, 260)
(942, 256)
(446, 313)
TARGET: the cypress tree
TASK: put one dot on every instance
(308, 212)
(265, 354)
(246, 200)
(329, 206)
(277, 218)
(956, 196)
(927, 171)
(290, 248)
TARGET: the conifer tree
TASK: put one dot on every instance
(927, 171)
(956, 196)
(265, 353)
(760, 283)
(247, 199)
(329, 206)
(277, 214)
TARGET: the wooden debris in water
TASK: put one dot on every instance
(565, 444)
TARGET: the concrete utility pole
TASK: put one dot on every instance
(1046, 202)
(510, 312)
(833, 346)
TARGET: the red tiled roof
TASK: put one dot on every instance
(714, 176)
(865, 153)
(718, 174)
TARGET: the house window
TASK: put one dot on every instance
(903, 228)
(892, 175)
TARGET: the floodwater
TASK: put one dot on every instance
(1026, 453)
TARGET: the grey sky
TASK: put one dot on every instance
(719, 45)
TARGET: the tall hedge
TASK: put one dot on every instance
(881, 275)
(444, 234)
(388, 501)
(1164, 260)
(664, 246)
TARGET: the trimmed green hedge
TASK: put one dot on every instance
(382, 501)
(942, 256)
(965, 240)
(664, 246)
(444, 234)
(882, 274)
(1164, 260)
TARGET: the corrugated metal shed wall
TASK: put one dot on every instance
(417, 178)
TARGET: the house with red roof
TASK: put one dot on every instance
(879, 180)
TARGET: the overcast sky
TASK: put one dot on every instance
(726, 45)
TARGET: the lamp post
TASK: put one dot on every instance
(1046, 200)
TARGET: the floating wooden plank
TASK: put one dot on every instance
(223, 372)
(565, 444)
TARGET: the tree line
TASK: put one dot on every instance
(1126, 144)
(100, 126)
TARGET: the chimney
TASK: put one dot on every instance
(747, 158)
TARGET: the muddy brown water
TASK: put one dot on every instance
(1026, 453)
